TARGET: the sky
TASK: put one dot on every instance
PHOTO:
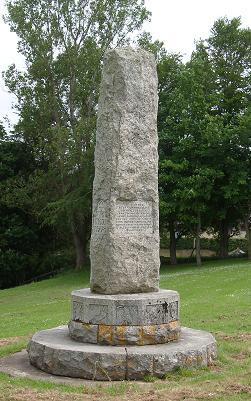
(178, 23)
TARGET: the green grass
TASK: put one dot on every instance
(39, 305)
(215, 297)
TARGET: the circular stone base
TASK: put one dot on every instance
(53, 351)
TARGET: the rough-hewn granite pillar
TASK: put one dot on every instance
(125, 328)
(125, 229)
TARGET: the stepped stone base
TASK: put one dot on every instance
(53, 351)
(122, 319)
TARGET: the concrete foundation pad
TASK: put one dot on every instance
(54, 352)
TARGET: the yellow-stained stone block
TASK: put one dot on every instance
(174, 325)
(149, 335)
(119, 335)
(133, 335)
(105, 334)
(172, 336)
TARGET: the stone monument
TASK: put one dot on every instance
(124, 327)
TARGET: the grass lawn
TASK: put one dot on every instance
(215, 297)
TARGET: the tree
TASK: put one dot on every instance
(243, 132)
(204, 147)
(23, 243)
(185, 178)
(169, 71)
(63, 43)
(168, 68)
(229, 54)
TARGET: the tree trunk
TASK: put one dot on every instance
(80, 240)
(223, 239)
(248, 234)
(173, 258)
(197, 242)
(80, 251)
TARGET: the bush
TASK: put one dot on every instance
(17, 268)
(206, 243)
(60, 260)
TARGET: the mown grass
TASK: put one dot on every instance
(215, 297)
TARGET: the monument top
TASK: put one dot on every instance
(125, 227)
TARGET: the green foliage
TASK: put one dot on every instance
(22, 241)
(145, 41)
(211, 244)
(15, 268)
(63, 44)
(205, 140)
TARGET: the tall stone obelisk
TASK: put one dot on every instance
(125, 305)
(125, 227)
(124, 327)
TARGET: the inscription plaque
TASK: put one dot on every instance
(133, 217)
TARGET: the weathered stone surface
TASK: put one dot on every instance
(195, 348)
(124, 335)
(124, 309)
(125, 230)
(55, 352)
(105, 334)
(83, 332)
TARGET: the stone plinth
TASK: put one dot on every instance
(53, 351)
(125, 309)
(125, 229)
(140, 319)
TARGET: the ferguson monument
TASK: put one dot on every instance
(124, 327)
(125, 230)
